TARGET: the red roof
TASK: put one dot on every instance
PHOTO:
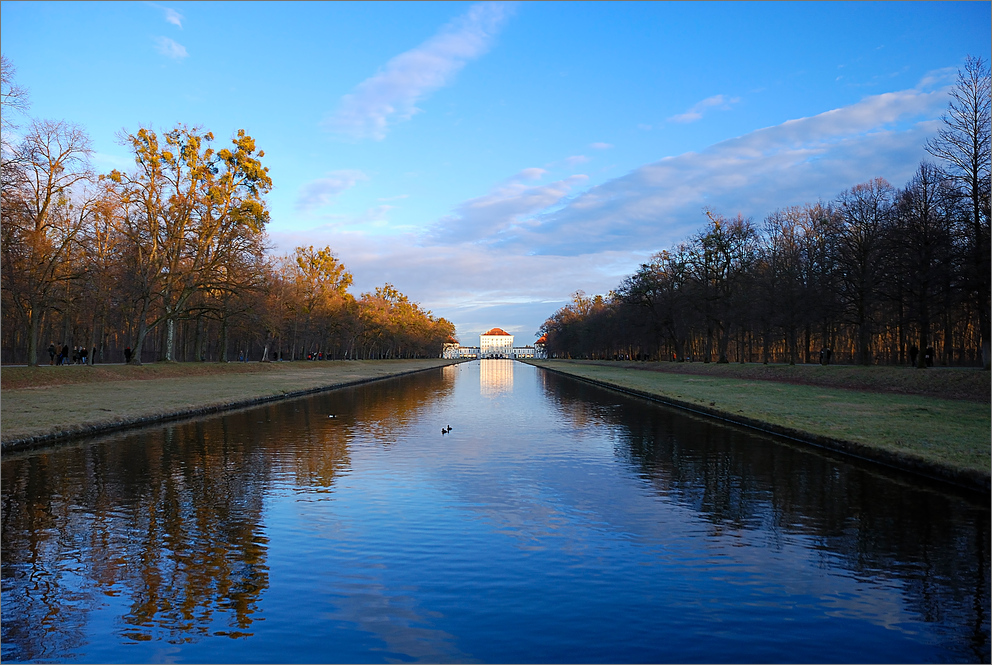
(497, 331)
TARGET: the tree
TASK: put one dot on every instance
(187, 213)
(660, 289)
(44, 212)
(866, 211)
(723, 256)
(963, 145)
(319, 280)
(14, 101)
(924, 243)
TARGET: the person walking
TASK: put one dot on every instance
(64, 358)
(51, 353)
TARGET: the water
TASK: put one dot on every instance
(556, 522)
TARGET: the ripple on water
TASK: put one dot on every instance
(555, 522)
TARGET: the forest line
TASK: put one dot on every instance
(878, 275)
(168, 260)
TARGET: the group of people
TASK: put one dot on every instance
(79, 355)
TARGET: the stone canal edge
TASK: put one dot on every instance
(967, 479)
(72, 433)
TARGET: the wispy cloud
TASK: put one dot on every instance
(532, 173)
(511, 256)
(170, 48)
(496, 215)
(391, 95)
(798, 161)
(600, 146)
(474, 286)
(699, 108)
(171, 15)
(323, 191)
(660, 203)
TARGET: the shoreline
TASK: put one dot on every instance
(39, 436)
(970, 479)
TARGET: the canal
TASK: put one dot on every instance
(554, 522)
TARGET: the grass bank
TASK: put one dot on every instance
(43, 404)
(935, 422)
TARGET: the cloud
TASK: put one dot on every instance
(391, 95)
(171, 15)
(497, 215)
(660, 203)
(323, 191)
(529, 174)
(513, 256)
(696, 112)
(170, 48)
(600, 146)
(575, 160)
(798, 161)
(473, 286)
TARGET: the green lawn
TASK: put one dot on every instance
(953, 433)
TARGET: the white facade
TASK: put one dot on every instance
(497, 343)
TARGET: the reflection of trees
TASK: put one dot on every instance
(875, 523)
(169, 520)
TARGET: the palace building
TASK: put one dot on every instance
(495, 343)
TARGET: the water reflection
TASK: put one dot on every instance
(496, 376)
(878, 524)
(166, 527)
(559, 522)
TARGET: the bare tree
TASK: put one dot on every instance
(42, 218)
(963, 147)
(923, 239)
(866, 210)
(14, 101)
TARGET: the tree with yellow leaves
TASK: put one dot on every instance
(187, 213)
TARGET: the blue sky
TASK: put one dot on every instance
(489, 159)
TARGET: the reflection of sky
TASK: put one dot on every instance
(528, 533)
(539, 524)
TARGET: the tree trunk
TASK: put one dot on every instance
(142, 333)
(138, 343)
(34, 330)
(722, 344)
(222, 356)
(170, 338)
